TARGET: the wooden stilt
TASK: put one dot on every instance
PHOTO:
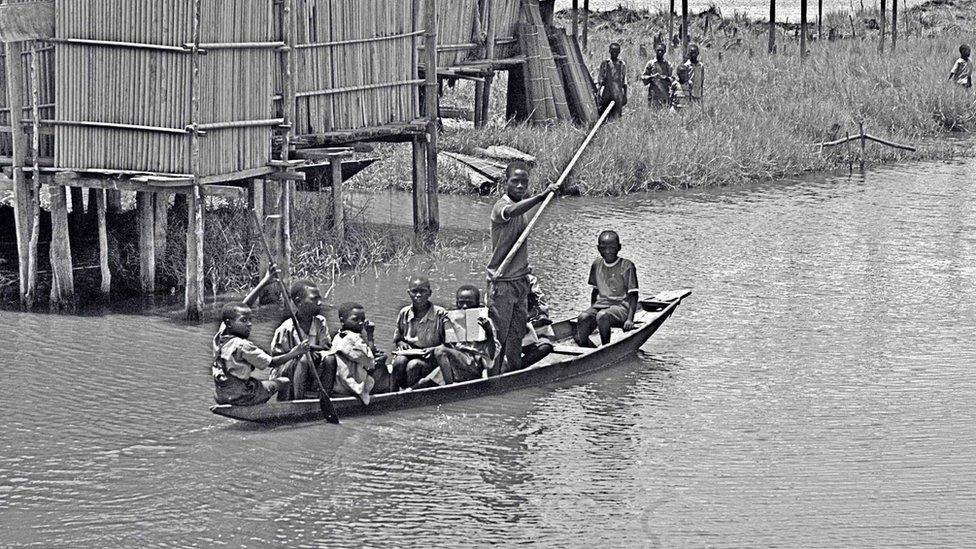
(820, 19)
(194, 256)
(803, 29)
(24, 199)
(771, 49)
(574, 14)
(98, 205)
(160, 219)
(430, 51)
(894, 24)
(419, 185)
(113, 201)
(479, 96)
(147, 242)
(684, 29)
(338, 215)
(884, 16)
(77, 201)
(62, 284)
(586, 22)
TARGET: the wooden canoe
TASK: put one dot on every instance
(566, 361)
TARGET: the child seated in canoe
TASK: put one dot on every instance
(419, 334)
(236, 357)
(464, 360)
(308, 306)
(360, 368)
(538, 340)
(614, 295)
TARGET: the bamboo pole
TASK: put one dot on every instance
(433, 209)
(23, 198)
(586, 22)
(884, 16)
(820, 19)
(490, 56)
(894, 24)
(65, 286)
(106, 275)
(574, 14)
(771, 49)
(288, 23)
(419, 185)
(147, 243)
(195, 217)
(803, 29)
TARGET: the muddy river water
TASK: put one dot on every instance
(818, 389)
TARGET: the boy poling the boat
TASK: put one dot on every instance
(308, 306)
(236, 357)
(614, 295)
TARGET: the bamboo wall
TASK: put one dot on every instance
(152, 87)
(505, 17)
(45, 70)
(355, 63)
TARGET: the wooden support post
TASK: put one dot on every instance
(803, 29)
(98, 205)
(490, 56)
(257, 203)
(771, 48)
(77, 201)
(479, 98)
(194, 255)
(160, 219)
(819, 20)
(431, 98)
(586, 23)
(894, 24)
(863, 143)
(62, 273)
(113, 201)
(338, 214)
(24, 199)
(671, 24)
(419, 185)
(147, 242)
(288, 21)
(574, 14)
(684, 30)
(884, 16)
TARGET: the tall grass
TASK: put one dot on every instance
(762, 116)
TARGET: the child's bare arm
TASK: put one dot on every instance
(255, 293)
(296, 352)
(594, 295)
(631, 309)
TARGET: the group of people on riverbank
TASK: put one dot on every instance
(432, 346)
(667, 88)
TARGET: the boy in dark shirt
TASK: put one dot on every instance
(614, 296)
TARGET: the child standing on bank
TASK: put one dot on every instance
(236, 357)
(962, 70)
(681, 90)
(696, 76)
(612, 82)
(657, 76)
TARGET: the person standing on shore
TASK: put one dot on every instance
(612, 82)
(657, 76)
(697, 75)
(962, 71)
(508, 291)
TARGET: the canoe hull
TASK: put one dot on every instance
(577, 362)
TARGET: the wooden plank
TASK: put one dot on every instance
(106, 275)
(136, 185)
(147, 243)
(62, 284)
(26, 21)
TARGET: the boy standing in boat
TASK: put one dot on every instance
(236, 357)
(308, 306)
(419, 334)
(509, 290)
(614, 295)
(360, 368)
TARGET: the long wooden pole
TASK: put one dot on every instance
(684, 29)
(562, 178)
(194, 204)
(670, 22)
(575, 15)
(819, 19)
(586, 22)
(430, 51)
(106, 278)
(23, 197)
(772, 27)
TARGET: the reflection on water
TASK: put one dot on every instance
(816, 390)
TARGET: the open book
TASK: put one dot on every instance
(462, 325)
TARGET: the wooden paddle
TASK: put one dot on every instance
(562, 178)
(325, 403)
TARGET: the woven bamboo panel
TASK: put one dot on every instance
(355, 64)
(152, 87)
(505, 17)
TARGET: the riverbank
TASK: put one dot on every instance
(763, 115)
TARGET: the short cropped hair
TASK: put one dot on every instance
(516, 165)
(470, 288)
(229, 311)
(297, 290)
(348, 307)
